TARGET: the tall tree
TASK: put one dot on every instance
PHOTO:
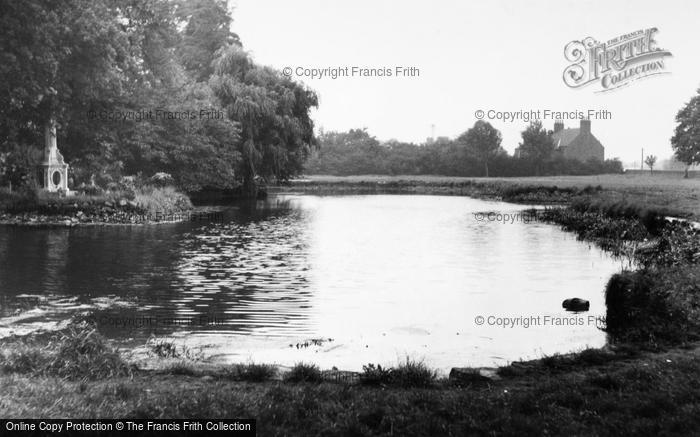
(207, 29)
(274, 114)
(686, 139)
(352, 152)
(86, 62)
(483, 142)
(537, 145)
(54, 55)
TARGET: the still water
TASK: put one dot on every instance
(337, 280)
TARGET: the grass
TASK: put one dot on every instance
(164, 200)
(251, 372)
(165, 349)
(375, 375)
(168, 349)
(656, 394)
(563, 363)
(75, 373)
(407, 374)
(654, 307)
(304, 372)
(77, 352)
(182, 367)
(30, 200)
(147, 203)
(659, 303)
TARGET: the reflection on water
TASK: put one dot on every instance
(248, 276)
(382, 276)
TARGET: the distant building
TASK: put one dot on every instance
(579, 144)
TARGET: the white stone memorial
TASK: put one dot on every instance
(54, 171)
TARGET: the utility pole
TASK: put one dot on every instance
(641, 163)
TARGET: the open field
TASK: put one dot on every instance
(608, 181)
(660, 190)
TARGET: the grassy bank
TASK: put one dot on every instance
(597, 392)
(662, 191)
(658, 304)
(145, 204)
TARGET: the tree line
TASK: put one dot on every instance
(64, 63)
(68, 63)
(476, 152)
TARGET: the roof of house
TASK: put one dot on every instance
(565, 137)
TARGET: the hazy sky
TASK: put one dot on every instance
(471, 55)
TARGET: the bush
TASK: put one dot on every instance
(165, 349)
(302, 372)
(146, 200)
(413, 373)
(375, 375)
(166, 200)
(653, 219)
(78, 352)
(253, 372)
(642, 306)
(591, 224)
(22, 359)
(90, 190)
(84, 353)
(407, 374)
(23, 199)
(161, 180)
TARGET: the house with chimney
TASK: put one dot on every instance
(579, 144)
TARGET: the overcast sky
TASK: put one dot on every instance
(471, 55)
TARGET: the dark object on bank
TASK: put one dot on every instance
(473, 375)
(576, 304)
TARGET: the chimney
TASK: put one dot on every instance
(558, 126)
(585, 126)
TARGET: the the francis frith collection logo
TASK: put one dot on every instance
(616, 62)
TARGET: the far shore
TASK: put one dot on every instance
(680, 196)
(197, 214)
(146, 205)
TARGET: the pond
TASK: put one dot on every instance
(336, 280)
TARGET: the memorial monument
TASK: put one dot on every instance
(54, 171)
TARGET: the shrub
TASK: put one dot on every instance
(22, 359)
(78, 352)
(161, 179)
(302, 372)
(165, 349)
(413, 373)
(90, 190)
(253, 372)
(653, 306)
(162, 200)
(375, 375)
(407, 374)
(83, 353)
(651, 218)
(168, 349)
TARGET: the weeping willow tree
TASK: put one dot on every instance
(273, 112)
